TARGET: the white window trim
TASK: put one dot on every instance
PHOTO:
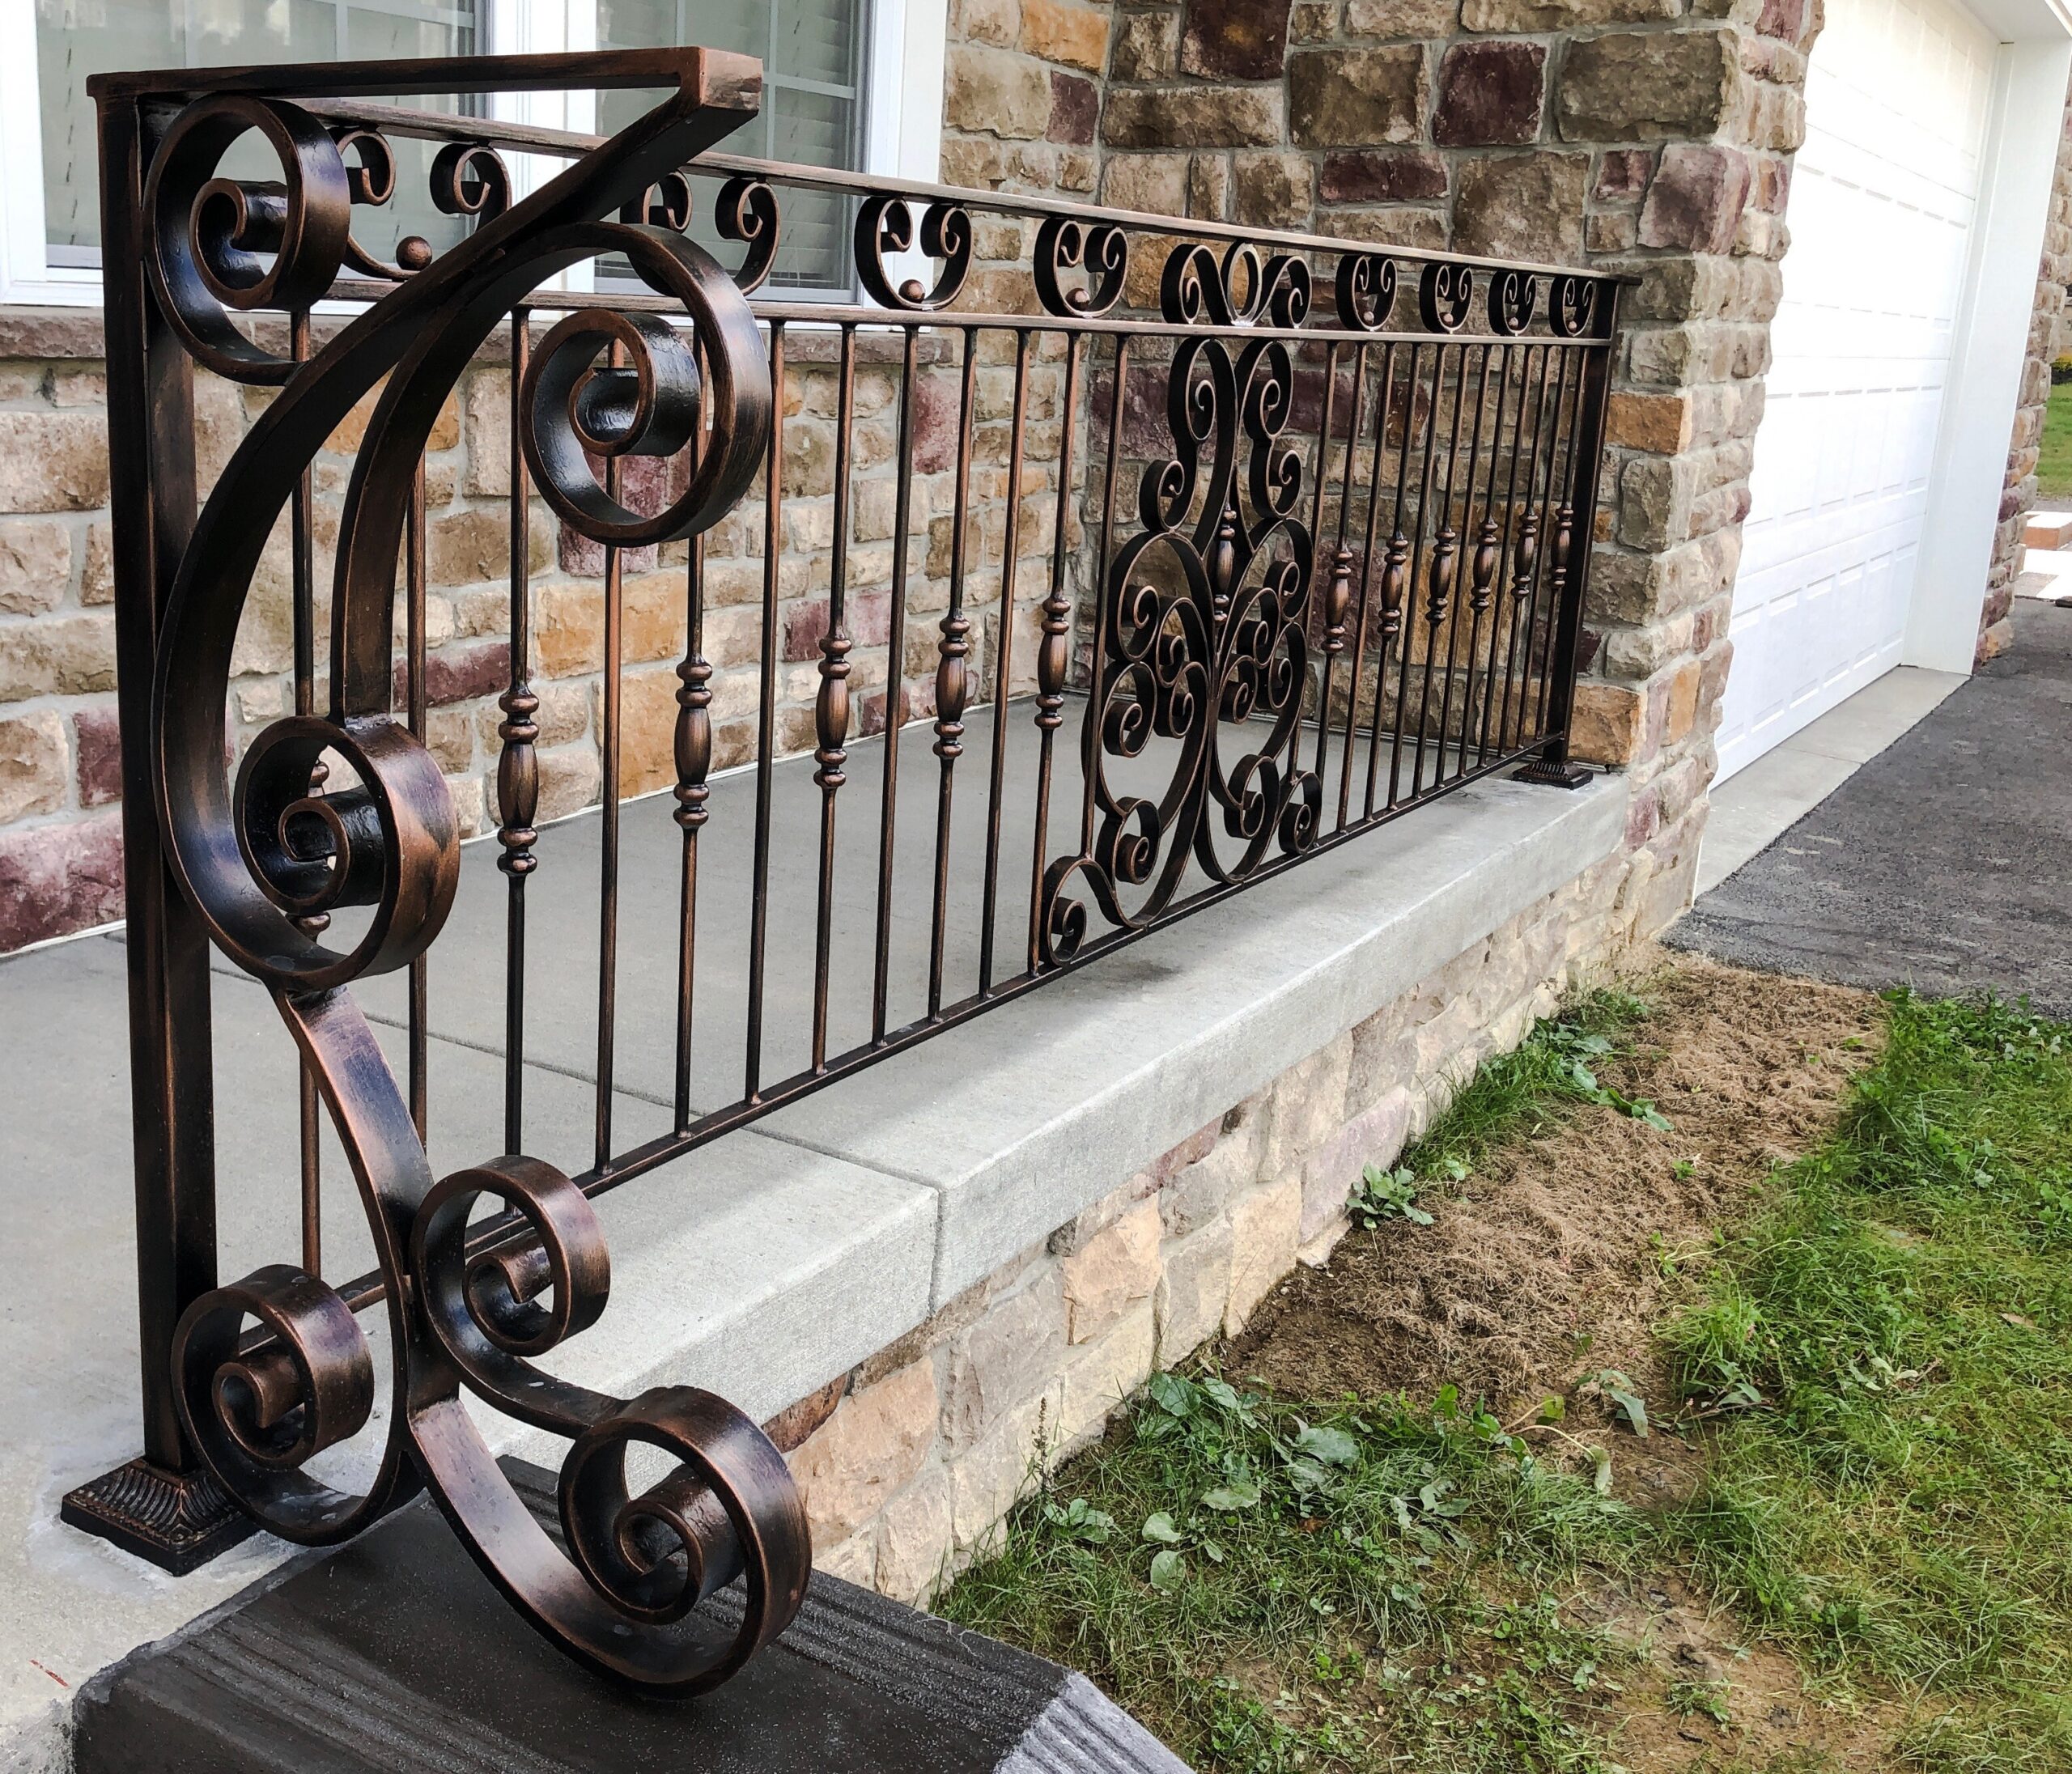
(902, 119)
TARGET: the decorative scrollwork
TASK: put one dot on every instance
(1203, 637)
(1573, 307)
(273, 1370)
(1102, 252)
(1445, 296)
(219, 244)
(1512, 297)
(885, 225)
(1365, 290)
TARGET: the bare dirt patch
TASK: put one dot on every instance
(1553, 1259)
(1558, 1257)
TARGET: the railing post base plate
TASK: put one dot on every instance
(177, 1521)
(1552, 774)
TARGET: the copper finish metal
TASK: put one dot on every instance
(1164, 624)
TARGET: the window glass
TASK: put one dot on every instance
(811, 55)
(76, 38)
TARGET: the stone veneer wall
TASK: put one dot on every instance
(2017, 497)
(909, 1463)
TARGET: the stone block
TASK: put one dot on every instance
(1116, 1269)
(1623, 175)
(1353, 98)
(1193, 117)
(1059, 30)
(877, 1441)
(1605, 727)
(51, 462)
(988, 90)
(33, 764)
(1265, 1233)
(990, 21)
(1273, 190)
(1192, 1292)
(1005, 1359)
(913, 1540)
(1696, 198)
(1521, 206)
(56, 879)
(1405, 176)
(56, 655)
(35, 565)
(1199, 1194)
(1308, 1106)
(1660, 424)
(1633, 86)
(1421, 19)
(1329, 1173)
(1146, 46)
(1235, 40)
(1103, 1375)
(1491, 94)
(98, 737)
(1075, 109)
(1559, 14)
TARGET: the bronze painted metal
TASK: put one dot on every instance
(1297, 535)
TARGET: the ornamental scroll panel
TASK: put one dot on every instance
(1340, 491)
(278, 870)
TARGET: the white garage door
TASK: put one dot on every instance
(1881, 209)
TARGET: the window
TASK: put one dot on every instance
(812, 53)
(848, 83)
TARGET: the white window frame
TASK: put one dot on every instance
(902, 133)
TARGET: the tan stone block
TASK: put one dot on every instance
(915, 1537)
(53, 462)
(1116, 1269)
(1659, 422)
(1192, 1293)
(1155, 182)
(991, 1476)
(465, 547)
(652, 616)
(877, 1439)
(1605, 727)
(570, 777)
(1058, 32)
(1521, 206)
(1103, 1375)
(1424, 18)
(1352, 97)
(56, 655)
(35, 565)
(1265, 1229)
(991, 90)
(1194, 117)
(34, 764)
(1006, 1359)
(1146, 46)
(1648, 85)
(568, 629)
(1308, 1107)
(1273, 190)
(855, 1560)
(97, 573)
(990, 21)
(1681, 711)
(489, 433)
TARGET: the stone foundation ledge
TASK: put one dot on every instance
(925, 1277)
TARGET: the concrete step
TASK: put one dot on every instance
(2047, 529)
(393, 1654)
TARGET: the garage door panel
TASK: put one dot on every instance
(1884, 191)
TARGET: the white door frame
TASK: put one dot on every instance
(1992, 342)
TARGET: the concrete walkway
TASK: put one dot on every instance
(1941, 862)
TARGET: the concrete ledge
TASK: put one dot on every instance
(1025, 1116)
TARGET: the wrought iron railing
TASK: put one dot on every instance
(1203, 549)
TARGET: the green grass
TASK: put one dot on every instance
(1271, 1589)
(1882, 1355)
(1898, 1507)
(2054, 461)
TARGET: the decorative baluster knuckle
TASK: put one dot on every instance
(517, 780)
(694, 741)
